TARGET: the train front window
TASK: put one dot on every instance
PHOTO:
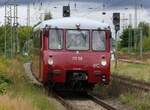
(77, 39)
(99, 40)
(55, 39)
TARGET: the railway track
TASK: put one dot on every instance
(71, 102)
(91, 102)
(101, 102)
(83, 102)
(132, 83)
(132, 61)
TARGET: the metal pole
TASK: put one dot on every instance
(116, 47)
(123, 21)
(135, 25)
(135, 13)
(141, 43)
(130, 31)
(11, 32)
(5, 39)
(10, 26)
(28, 15)
(28, 24)
(17, 39)
(129, 40)
(14, 29)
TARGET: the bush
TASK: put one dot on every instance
(124, 50)
(146, 44)
(16, 88)
(5, 82)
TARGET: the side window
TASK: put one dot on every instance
(36, 39)
(56, 39)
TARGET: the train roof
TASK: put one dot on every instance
(71, 22)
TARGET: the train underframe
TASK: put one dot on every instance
(75, 81)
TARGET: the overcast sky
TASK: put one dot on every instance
(113, 3)
(85, 8)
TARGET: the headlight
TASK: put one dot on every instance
(50, 61)
(103, 61)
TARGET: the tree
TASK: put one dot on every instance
(130, 31)
(2, 38)
(127, 34)
(24, 33)
(145, 28)
(2, 35)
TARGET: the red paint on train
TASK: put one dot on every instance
(57, 64)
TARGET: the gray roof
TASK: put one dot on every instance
(71, 22)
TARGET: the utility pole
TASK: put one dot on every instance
(129, 39)
(28, 14)
(11, 23)
(15, 26)
(28, 24)
(8, 28)
(116, 22)
(5, 39)
(141, 43)
(135, 24)
(116, 49)
(11, 32)
(130, 20)
(130, 34)
(123, 21)
(135, 13)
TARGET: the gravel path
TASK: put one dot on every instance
(28, 71)
(86, 105)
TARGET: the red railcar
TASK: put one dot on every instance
(71, 53)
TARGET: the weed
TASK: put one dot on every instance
(20, 94)
(126, 95)
(134, 71)
(7, 103)
(5, 82)
(138, 101)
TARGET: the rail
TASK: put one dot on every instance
(133, 83)
(89, 96)
(101, 102)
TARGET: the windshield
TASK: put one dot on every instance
(77, 39)
(99, 40)
(55, 39)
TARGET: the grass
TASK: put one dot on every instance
(139, 101)
(134, 71)
(5, 82)
(136, 99)
(7, 103)
(17, 93)
(129, 97)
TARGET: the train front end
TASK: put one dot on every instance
(77, 59)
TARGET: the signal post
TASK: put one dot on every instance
(116, 22)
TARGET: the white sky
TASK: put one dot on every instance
(81, 11)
